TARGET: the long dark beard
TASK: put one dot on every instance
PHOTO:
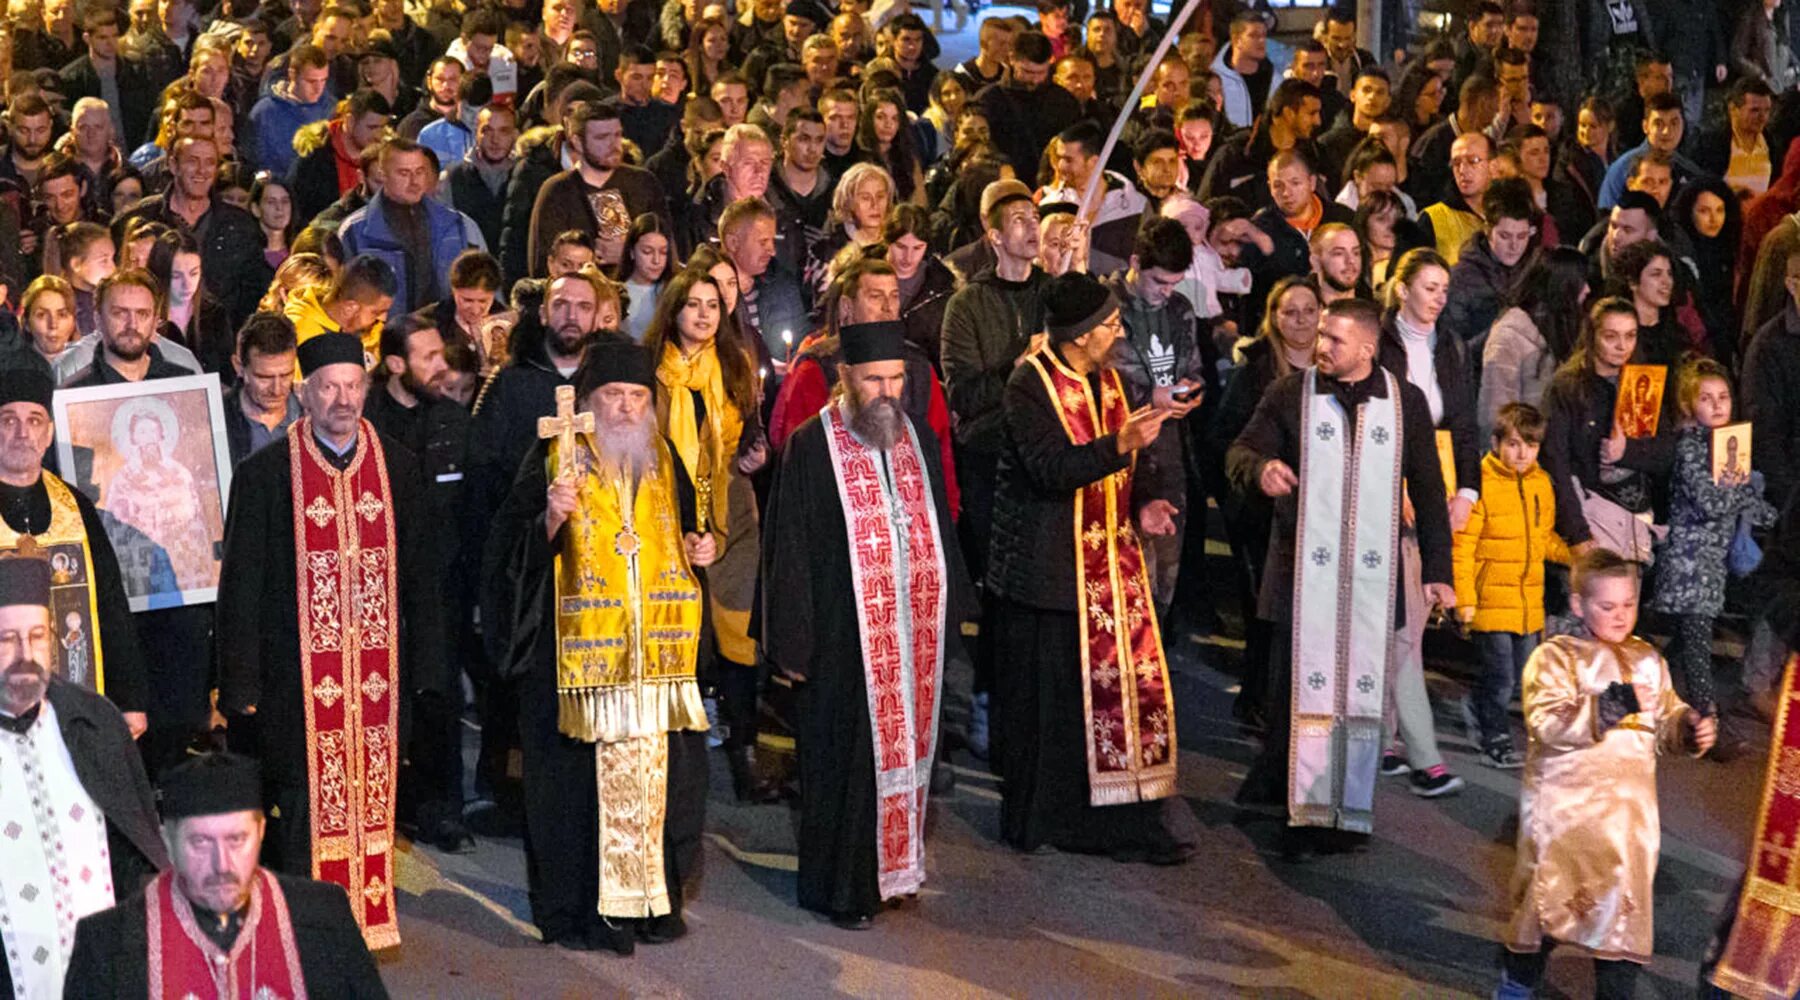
(878, 423)
(627, 449)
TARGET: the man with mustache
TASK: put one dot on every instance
(179, 937)
(409, 406)
(155, 524)
(598, 537)
(328, 621)
(866, 586)
(71, 782)
(38, 507)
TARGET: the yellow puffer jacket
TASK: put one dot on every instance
(1500, 553)
(306, 310)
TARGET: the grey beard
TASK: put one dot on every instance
(627, 450)
(878, 424)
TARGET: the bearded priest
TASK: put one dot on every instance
(864, 587)
(328, 632)
(598, 545)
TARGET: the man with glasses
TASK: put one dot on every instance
(1450, 223)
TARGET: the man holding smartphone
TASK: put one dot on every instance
(1159, 361)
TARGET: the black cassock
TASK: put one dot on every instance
(810, 629)
(258, 632)
(562, 804)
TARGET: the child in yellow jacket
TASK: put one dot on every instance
(1499, 561)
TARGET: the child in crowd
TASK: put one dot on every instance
(1703, 515)
(1598, 708)
(1499, 561)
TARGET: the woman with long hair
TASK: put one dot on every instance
(1283, 344)
(885, 134)
(192, 317)
(1419, 97)
(708, 49)
(272, 203)
(1381, 224)
(1584, 455)
(1536, 332)
(48, 311)
(1709, 213)
(949, 95)
(706, 405)
(644, 268)
(1436, 363)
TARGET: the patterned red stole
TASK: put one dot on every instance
(1762, 957)
(349, 662)
(1130, 727)
(897, 569)
(264, 961)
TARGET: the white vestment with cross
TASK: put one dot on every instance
(1344, 587)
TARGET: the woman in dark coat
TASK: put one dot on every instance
(1708, 212)
(1578, 407)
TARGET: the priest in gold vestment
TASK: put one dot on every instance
(1599, 709)
(595, 542)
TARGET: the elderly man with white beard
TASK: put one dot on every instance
(597, 541)
(864, 589)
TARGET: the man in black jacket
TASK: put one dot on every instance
(259, 408)
(408, 405)
(47, 725)
(212, 808)
(1025, 110)
(102, 74)
(1743, 143)
(1289, 122)
(1265, 458)
(478, 181)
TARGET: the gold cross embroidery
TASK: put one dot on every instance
(319, 512)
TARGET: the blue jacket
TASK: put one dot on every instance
(273, 122)
(1612, 188)
(367, 231)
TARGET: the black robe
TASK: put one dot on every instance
(111, 958)
(562, 808)
(127, 678)
(1038, 704)
(258, 632)
(107, 765)
(810, 629)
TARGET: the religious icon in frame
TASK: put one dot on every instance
(153, 457)
(1731, 454)
(1639, 409)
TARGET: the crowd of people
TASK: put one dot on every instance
(665, 377)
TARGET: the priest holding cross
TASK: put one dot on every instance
(598, 544)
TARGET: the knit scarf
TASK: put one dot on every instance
(703, 454)
(1309, 220)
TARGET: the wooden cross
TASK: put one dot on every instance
(563, 428)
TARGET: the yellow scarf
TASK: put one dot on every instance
(707, 454)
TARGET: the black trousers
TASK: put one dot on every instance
(1613, 979)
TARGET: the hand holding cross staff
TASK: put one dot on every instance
(563, 427)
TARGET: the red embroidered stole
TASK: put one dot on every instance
(349, 662)
(1762, 957)
(264, 961)
(902, 634)
(1130, 729)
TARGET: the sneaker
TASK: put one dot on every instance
(1393, 763)
(1502, 755)
(1435, 781)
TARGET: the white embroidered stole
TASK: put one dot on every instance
(1344, 579)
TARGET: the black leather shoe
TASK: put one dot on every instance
(853, 921)
(616, 935)
(662, 930)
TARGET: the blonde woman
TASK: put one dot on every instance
(301, 270)
(859, 205)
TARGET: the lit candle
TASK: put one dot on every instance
(787, 340)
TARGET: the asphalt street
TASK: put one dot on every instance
(1416, 914)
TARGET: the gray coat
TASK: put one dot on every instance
(1516, 366)
(1703, 515)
